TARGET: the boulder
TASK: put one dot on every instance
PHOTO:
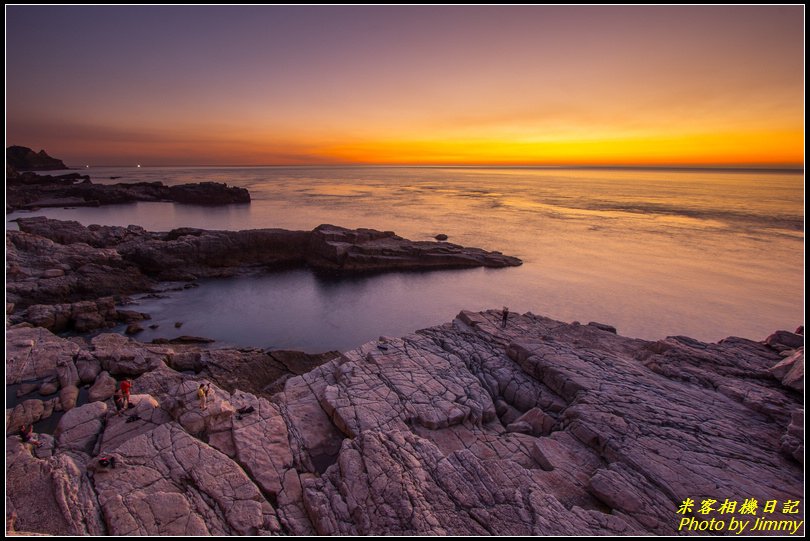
(785, 340)
(67, 373)
(133, 328)
(29, 412)
(49, 387)
(87, 367)
(79, 428)
(68, 396)
(103, 388)
(33, 353)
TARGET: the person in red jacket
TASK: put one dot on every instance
(126, 385)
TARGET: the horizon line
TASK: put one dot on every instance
(749, 167)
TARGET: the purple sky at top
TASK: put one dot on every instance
(288, 84)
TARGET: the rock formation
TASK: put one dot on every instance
(53, 265)
(538, 428)
(25, 159)
(30, 191)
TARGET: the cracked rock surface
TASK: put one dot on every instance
(536, 428)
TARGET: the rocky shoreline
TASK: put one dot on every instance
(30, 191)
(474, 427)
(538, 427)
(62, 275)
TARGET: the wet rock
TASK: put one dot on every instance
(133, 328)
(130, 316)
(441, 237)
(186, 339)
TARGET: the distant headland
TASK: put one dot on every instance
(25, 159)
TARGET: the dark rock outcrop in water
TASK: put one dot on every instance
(29, 190)
(53, 261)
(25, 159)
(538, 428)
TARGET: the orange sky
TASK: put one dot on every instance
(520, 85)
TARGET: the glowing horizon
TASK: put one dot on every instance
(719, 86)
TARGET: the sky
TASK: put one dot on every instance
(539, 85)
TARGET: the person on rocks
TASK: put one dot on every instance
(27, 435)
(202, 394)
(505, 316)
(126, 387)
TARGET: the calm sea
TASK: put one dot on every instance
(654, 252)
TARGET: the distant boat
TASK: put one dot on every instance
(139, 165)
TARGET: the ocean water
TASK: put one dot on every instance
(655, 252)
